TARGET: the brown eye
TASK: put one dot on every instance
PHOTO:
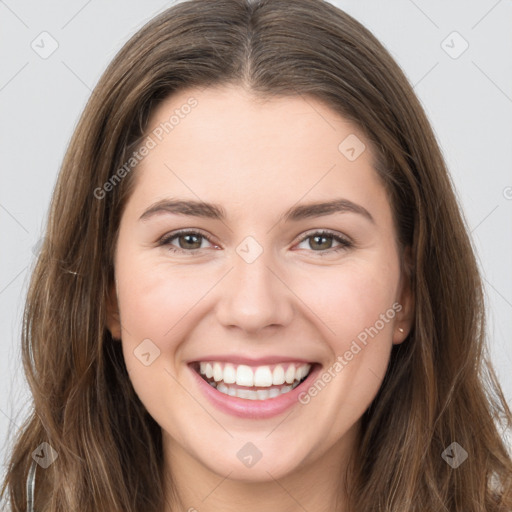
(188, 241)
(321, 242)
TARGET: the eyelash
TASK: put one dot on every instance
(345, 243)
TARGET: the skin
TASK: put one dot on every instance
(257, 159)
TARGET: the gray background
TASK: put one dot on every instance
(468, 100)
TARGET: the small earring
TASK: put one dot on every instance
(400, 329)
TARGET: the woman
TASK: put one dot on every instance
(264, 365)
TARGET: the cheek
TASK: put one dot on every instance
(156, 303)
(350, 299)
(154, 298)
(358, 304)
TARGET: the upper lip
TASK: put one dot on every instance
(235, 359)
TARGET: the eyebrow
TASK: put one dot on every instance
(215, 211)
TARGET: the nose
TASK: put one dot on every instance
(255, 296)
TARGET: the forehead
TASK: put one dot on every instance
(227, 146)
(299, 122)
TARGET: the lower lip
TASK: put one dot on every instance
(254, 409)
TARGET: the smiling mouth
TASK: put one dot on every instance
(253, 383)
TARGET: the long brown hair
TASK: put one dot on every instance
(439, 387)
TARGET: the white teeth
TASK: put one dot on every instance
(244, 376)
(229, 374)
(301, 373)
(251, 394)
(247, 393)
(260, 377)
(217, 372)
(222, 388)
(278, 375)
(274, 392)
(262, 394)
(290, 374)
(263, 377)
(226, 389)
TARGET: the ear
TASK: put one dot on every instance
(113, 318)
(405, 316)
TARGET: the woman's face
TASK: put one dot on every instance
(252, 293)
